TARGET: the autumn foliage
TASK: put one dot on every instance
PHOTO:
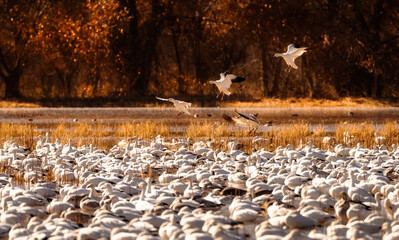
(132, 48)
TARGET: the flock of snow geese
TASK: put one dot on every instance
(171, 190)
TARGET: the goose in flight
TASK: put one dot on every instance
(293, 51)
(224, 83)
(244, 120)
(182, 106)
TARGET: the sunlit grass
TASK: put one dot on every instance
(308, 102)
(142, 129)
(215, 130)
(18, 104)
(105, 135)
(319, 131)
(389, 129)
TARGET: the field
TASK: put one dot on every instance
(148, 160)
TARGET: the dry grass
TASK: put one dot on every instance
(319, 131)
(18, 104)
(105, 135)
(142, 129)
(389, 129)
(293, 133)
(215, 130)
(307, 102)
(351, 133)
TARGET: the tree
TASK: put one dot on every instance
(19, 20)
(74, 40)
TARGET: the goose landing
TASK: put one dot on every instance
(244, 120)
(224, 83)
(182, 106)
(293, 51)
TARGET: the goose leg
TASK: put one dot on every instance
(222, 96)
(218, 94)
(179, 113)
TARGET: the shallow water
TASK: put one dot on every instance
(315, 115)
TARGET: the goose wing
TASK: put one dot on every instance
(235, 79)
(162, 99)
(295, 51)
(228, 118)
(291, 48)
(186, 104)
(248, 116)
(298, 52)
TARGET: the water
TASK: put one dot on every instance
(314, 115)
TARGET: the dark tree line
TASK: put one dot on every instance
(131, 48)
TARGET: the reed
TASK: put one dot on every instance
(216, 130)
(309, 102)
(319, 131)
(289, 133)
(350, 133)
(105, 135)
(389, 129)
(142, 129)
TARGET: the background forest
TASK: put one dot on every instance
(67, 49)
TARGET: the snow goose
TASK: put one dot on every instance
(143, 204)
(341, 208)
(244, 120)
(318, 215)
(293, 51)
(91, 203)
(297, 221)
(224, 83)
(76, 216)
(192, 191)
(58, 207)
(182, 106)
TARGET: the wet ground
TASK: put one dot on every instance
(313, 115)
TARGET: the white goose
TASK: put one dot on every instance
(182, 106)
(224, 83)
(292, 53)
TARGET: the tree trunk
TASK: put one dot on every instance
(147, 54)
(265, 72)
(200, 73)
(11, 76)
(12, 84)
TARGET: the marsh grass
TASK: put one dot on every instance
(105, 135)
(142, 129)
(319, 131)
(215, 130)
(292, 133)
(389, 130)
(352, 133)
(309, 102)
